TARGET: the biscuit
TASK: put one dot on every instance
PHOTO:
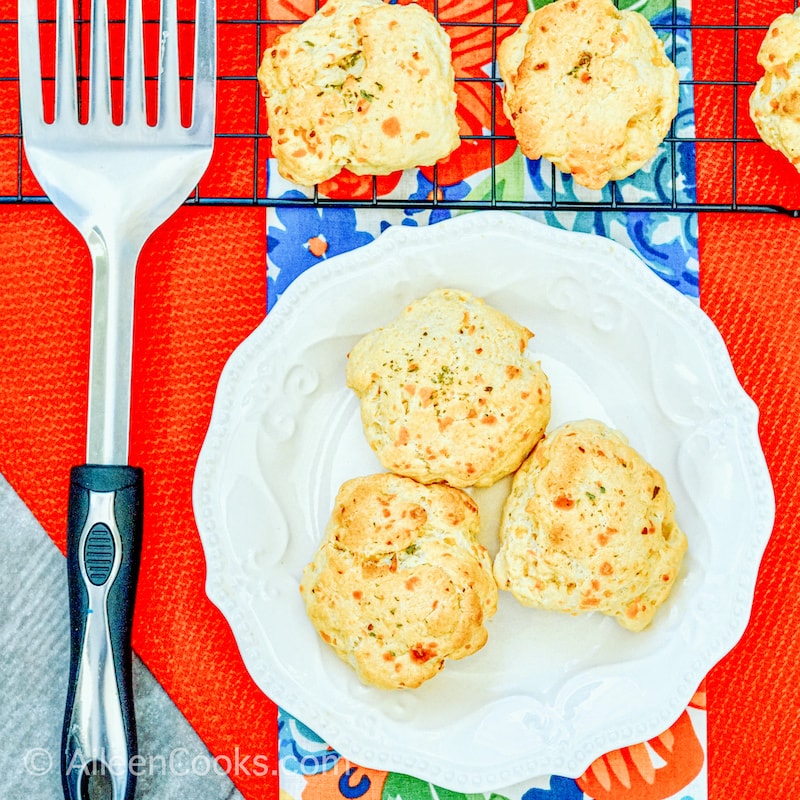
(775, 101)
(399, 583)
(446, 392)
(589, 88)
(589, 526)
(363, 85)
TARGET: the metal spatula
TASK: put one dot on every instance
(116, 183)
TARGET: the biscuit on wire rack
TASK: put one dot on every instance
(589, 525)
(588, 87)
(362, 85)
(447, 393)
(775, 101)
(400, 583)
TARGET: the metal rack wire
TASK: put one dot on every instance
(742, 172)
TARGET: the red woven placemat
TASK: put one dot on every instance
(750, 286)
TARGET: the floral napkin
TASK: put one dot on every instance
(492, 169)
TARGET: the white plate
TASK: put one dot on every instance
(548, 693)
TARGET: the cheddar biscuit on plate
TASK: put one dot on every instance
(447, 393)
(364, 85)
(775, 101)
(400, 584)
(589, 525)
(588, 87)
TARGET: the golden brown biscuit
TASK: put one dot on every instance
(364, 85)
(399, 583)
(775, 101)
(447, 393)
(589, 526)
(589, 88)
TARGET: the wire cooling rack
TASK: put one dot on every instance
(716, 141)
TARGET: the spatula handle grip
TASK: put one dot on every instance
(104, 535)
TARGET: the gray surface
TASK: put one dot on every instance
(34, 659)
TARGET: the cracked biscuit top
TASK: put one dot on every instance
(447, 393)
(775, 101)
(400, 583)
(588, 87)
(361, 85)
(589, 525)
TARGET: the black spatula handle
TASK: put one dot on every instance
(104, 535)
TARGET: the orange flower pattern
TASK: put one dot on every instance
(630, 773)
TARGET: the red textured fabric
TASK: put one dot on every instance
(750, 287)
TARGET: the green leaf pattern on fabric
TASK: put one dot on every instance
(647, 7)
(404, 787)
(509, 181)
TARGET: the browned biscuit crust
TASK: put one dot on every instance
(588, 87)
(589, 526)
(363, 85)
(399, 583)
(775, 100)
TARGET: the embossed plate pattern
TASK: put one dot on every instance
(549, 692)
